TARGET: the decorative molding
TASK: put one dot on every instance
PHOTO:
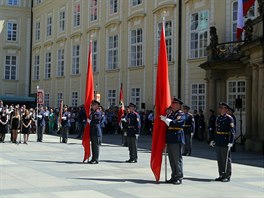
(76, 35)
(136, 67)
(12, 47)
(112, 70)
(36, 47)
(48, 43)
(113, 22)
(163, 6)
(61, 39)
(93, 28)
(136, 15)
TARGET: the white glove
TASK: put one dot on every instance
(229, 145)
(166, 120)
(39, 116)
(88, 120)
(212, 144)
(64, 118)
(123, 119)
(137, 135)
(192, 134)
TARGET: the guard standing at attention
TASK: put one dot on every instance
(66, 124)
(223, 139)
(133, 129)
(95, 131)
(175, 140)
(189, 129)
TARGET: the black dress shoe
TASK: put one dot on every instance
(219, 178)
(93, 162)
(133, 161)
(129, 161)
(177, 182)
(225, 180)
(171, 181)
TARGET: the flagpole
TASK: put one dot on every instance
(36, 114)
(165, 150)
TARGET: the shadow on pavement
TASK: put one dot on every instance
(138, 181)
(198, 179)
(112, 161)
(61, 162)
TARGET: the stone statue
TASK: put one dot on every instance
(214, 41)
(261, 7)
(248, 31)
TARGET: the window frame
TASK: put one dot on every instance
(12, 34)
(200, 104)
(200, 50)
(59, 99)
(47, 68)
(113, 7)
(95, 55)
(36, 67)
(60, 62)
(11, 68)
(93, 10)
(37, 30)
(135, 98)
(113, 52)
(236, 94)
(47, 99)
(77, 14)
(75, 98)
(136, 2)
(111, 97)
(136, 55)
(75, 70)
(49, 25)
(62, 19)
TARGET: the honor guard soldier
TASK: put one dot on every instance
(41, 124)
(189, 129)
(133, 128)
(223, 139)
(175, 140)
(95, 131)
(66, 124)
(211, 124)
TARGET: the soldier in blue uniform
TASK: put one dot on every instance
(189, 129)
(133, 128)
(95, 131)
(175, 140)
(66, 124)
(223, 138)
(211, 124)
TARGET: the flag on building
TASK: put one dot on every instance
(242, 9)
(121, 104)
(89, 96)
(162, 102)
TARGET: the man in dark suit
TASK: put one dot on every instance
(95, 131)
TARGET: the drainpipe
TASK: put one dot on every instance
(31, 42)
(179, 49)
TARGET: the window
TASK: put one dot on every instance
(74, 99)
(10, 67)
(62, 21)
(37, 31)
(199, 34)
(94, 58)
(113, 52)
(37, 2)
(112, 97)
(75, 59)
(76, 15)
(47, 100)
(252, 13)
(12, 31)
(59, 99)
(136, 48)
(236, 89)
(168, 35)
(36, 68)
(60, 69)
(13, 2)
(49, 25)
(113, 6)
(48, 65)
(136, 2)
(93, 9)
(198, 96)
(135, 96)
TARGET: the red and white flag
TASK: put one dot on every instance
(121, 104)
(242, 9)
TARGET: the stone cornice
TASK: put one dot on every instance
(93, 28)
(113, 22)
(163, 6)
(12, 47)
(48, 43)
(76, 35)
(136, 15)
(61, 39)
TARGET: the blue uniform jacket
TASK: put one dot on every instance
(133, 127)
(175, 132)
(225, 130)
(95, 128)
(41, 121)
(189, 124)
(67, 122)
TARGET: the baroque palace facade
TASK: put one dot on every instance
(125, 36)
